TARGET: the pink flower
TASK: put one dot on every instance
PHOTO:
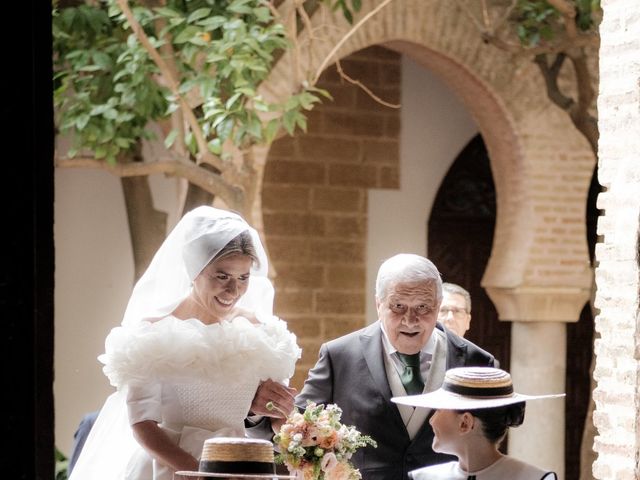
(329, 462)
(329, 440)
(342, 471)
(310, 436)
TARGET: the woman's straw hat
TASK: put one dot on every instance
(231, 457)
(470, 388)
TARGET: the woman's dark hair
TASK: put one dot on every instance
(496, 421)
(243, 245)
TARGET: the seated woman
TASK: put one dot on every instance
(474, 409)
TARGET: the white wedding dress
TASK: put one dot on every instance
(196, 381)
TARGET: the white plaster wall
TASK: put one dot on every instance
(93, 280)
(435, 127)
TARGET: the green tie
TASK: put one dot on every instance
(411, 378)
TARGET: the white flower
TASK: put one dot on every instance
(329, 462)
(297, 437)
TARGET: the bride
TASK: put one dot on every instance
(198, 352)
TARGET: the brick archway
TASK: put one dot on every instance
(538, 275)
(541, 164)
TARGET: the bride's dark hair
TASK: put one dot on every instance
(243, 245)
(496, 421)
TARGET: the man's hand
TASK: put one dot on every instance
(280, 395)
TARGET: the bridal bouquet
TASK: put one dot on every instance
(314, 445)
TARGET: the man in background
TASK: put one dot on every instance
(455, 309)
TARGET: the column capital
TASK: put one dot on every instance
(539, 303)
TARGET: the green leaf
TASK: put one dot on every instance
(185, 35)
(110, 113)
(224, 129)
(254, 127)
(212, 23)
(198, 40)
(232, 100)
(262, 14)
(240, 6)
(103, 60)
(301, 121)
(98, 110)
(215, 57)
(321, 91)
(198, 14)
(100, 151)
(82, 121)
(191, 142)
(168, 12)
(271, 130)
(215, 146)
(90, 68)
(347, 14)
(289, 121)
(307, 100)
(171, 138)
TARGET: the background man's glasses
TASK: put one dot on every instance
(457, 312)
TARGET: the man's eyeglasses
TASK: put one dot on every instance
(457, 312)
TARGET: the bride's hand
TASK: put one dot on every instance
(281, 396)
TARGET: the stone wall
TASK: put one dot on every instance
(617, 393)
(314, 201)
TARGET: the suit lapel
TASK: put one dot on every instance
(371, 340)
(373, 354)
(456, 350)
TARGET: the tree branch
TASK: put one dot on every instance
(584, 40)
(177, 118)
(582, 118)
(204, 155)
(171, 166)
(359, 84)
(347, 36)
(586, 93)
(550, 75)
(568, 11)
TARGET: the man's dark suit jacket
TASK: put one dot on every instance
(350, 372)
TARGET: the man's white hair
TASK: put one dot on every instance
(407, 268)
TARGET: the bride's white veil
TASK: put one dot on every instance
(191, 245)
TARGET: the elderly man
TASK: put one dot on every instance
(455, 309)
(404, 352)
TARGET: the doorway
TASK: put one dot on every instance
(460, 236)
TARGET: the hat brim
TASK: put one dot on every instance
(233, 475)
(444, 400)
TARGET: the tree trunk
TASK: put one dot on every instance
(196, 196)
(147, 226)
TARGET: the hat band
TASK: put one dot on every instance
(249, 468)
(493, 392)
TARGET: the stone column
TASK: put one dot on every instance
(538, 365)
